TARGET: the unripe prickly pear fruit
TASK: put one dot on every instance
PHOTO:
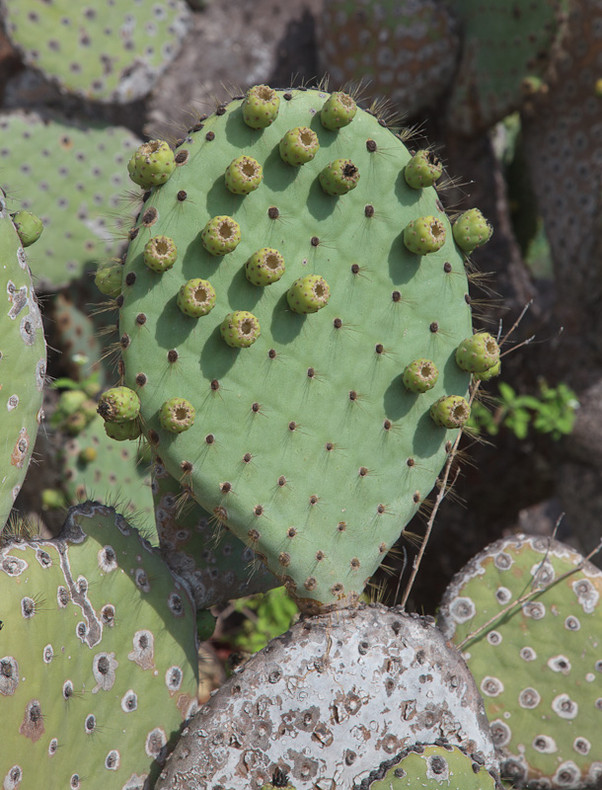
(123, 431)
(450, 411)
(243, 175)
(240, 329)
(29, 227)
(471, 230)
(196, 298)
(299, 146)
(109, 279)
(221, 235)
(424, 235)
(308, 294)
(338, 111)
(119, 404)
(339, 177)
(160, 253)
(177, 415)
(420, 375)
(88, 454)
(264, 267)
(423, 169)
(71, 401)
(260, 106)
(493, 371)
(152, 164)
(478, 353)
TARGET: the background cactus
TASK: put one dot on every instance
(331, 455)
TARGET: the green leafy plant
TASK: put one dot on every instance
(268, 615)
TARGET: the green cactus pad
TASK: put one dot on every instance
(22, 362)
(73, 178)
(111, 51)
(432, 767)
(317, 396)
(98, 659)
(538, 663)
(29, 227)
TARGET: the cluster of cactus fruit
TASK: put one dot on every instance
(297, 351)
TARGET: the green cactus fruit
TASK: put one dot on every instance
(29, 227)
(318, 396)
(88, 455)
(423, 169)
(98, 668)
(527, 614)
(491, 373)
(260, 107)
(424, 235)
(152, 164)
(338, 111)
(478, 353)
(196, 297)
(216, 565)
(432, 767)
(110, 52)
(471, 230)
(240, 329)
(177, 415)
(339, 177)
(71, 401)
(264, 267)
(123, 431)
(450, 411)
(22, 362)
(52, 499)
(299, 146)
(420, 375)
(73, 176)
(109, 278)
(221, 235)
(308, 294)
(119, 404)
(243, 175)
(160, 253)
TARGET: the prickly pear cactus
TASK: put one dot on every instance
(404, 50)
(432, 767)
(98, 658)
(73, 177)
(290, 418)
(216, 565)
(22, 362)
(110, 51)
(537, 663)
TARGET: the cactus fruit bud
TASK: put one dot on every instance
(52, 499)
(240, 329)
(88, 454)
(71, 401)
(29, 227)
(264, 267)
(196, 298)
(420, 375)
(109, 278)
(122, 431)
(450, 411)
(299, 146)
(424, 235)
(339, 177)
(119, 404)
(423, 169)
(308, 294)
(260, 106)
(478, 353)
(493, 371)
(221, 235)
(160, 253)
(338, 111)
(243, 175)
(152, 164)
(177, 415)
(471, 230)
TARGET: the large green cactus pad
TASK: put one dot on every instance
(73, 177)
(98, 662)
(306, 444)
(538, 664)
(105, 51)
(22, 363)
